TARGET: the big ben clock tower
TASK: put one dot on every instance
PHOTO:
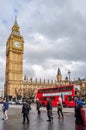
(14, 63)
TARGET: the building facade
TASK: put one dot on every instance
(15, 86)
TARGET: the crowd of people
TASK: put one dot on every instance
(27, 107)
(80, 114)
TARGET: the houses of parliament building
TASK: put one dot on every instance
(17, 86)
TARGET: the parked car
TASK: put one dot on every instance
(12, 102)
(19, 102)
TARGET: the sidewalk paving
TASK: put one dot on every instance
(36, 122)
(33, 106)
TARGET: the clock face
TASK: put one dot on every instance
(17, 44)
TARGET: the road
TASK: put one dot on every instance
(37, 122)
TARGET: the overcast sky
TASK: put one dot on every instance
(54, 33)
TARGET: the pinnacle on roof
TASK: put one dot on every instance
(15, 28)
(15, 22)
(59, 72)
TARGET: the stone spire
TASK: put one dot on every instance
(15, 28)
(15, 22)
(58, 72)
(59, 75)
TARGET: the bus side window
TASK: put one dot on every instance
(52, 98)
(71, 98)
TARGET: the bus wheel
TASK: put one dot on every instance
(64, 105)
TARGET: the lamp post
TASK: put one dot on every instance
(69, 74)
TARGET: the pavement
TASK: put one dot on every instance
(33, 106)
(36, 122)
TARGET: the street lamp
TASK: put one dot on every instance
(69, 74)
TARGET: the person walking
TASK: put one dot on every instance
(49, 110)
(25, 111)
(29, 103)
(5, 109)
(59, 110)
(38, 105)
(80, 119)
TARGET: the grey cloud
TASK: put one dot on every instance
(54, 20)
(28, 71)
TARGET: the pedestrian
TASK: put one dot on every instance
(38, 105)
(25, 111)
(60, 110)
(29, 103)
(80, 119)
(5, 109)
(49, 110)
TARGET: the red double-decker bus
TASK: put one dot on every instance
(66, 93)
